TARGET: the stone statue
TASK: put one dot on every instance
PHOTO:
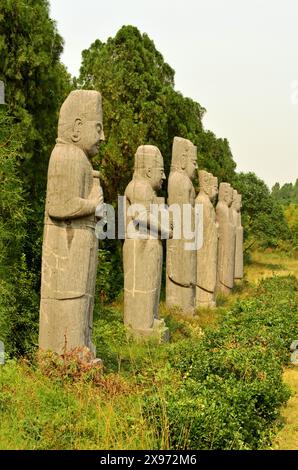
(69, 254)
(181, 263)
(226, 240)
(2, 92)
(207, 254)
(236, 207)
(142, 249)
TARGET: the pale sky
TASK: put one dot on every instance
(237, 58)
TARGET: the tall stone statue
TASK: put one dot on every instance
(2, 93)
(142, 250)
(207, 254)
(226, 240)
(236, 207)
(181, 263)
(69, 254)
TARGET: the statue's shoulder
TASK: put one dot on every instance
(139, 190)
(68, 152)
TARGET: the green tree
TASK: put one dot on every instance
(18, 300)
(291, 215)
(286, 194)
(141, 106)
(35, 85)
(263, 218)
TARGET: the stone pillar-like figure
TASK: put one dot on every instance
(69, 253)
(181, 263)
(142, 250)
(207, 254)
(236, 207)
(226, 240)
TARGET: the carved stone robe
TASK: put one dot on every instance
(226, 248)
(142, 261)
(69, 253)
(207, 255)
(238, 245)
(181, 263)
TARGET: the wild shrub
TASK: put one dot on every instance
(231, 390)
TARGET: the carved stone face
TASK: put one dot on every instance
(226, 193)
(155, 173)
(238, 202)
(205, 181)
(214, 187)
(191, 164)
(88, 134)
(80, 120)
(229, 196)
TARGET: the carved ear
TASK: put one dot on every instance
(76, 131)
(148, 172)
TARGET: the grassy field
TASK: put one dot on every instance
(52, 403)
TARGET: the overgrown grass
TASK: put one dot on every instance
(217, 385)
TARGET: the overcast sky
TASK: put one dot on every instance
(237, 58)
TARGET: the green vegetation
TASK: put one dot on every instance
(262, 217)
(141, 105)
(217, 386)
(286, 194)
(19, 300)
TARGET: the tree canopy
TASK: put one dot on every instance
(141, 106)
(286, 194)
(263, 218)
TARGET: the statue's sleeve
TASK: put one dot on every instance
(66, 185)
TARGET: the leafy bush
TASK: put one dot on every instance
(231, 389)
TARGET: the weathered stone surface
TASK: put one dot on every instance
(2, 93)
(236, 208)
(181, 263)
(69, 254)
(142, 250)
(226, 240)
(207, 254)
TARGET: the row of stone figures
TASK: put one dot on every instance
(74, 204)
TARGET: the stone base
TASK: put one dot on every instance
(159, 332)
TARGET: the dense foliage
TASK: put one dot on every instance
(141, 106)
(230, 389)
(219, 390)
(36, 83)
(19, 301)
(262, 216)
(286, 194)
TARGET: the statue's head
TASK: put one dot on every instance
(149, 165)
(80, 120)
(225, 193)
(234, 202)
(184, 156)
(214, 187)
(237, 201)
(205, 182)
